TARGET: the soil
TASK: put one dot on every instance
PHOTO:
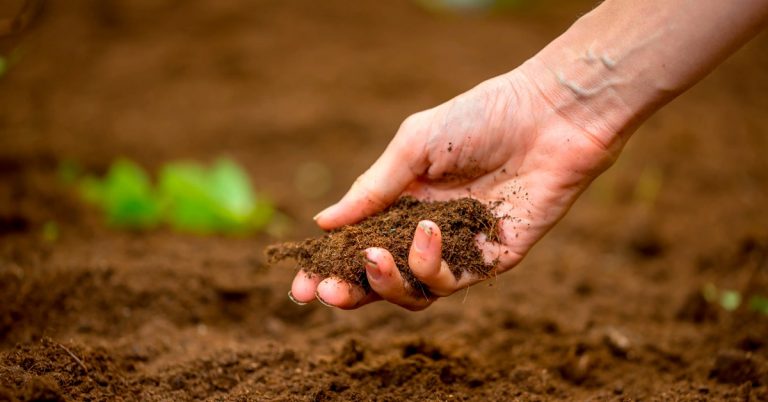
(340, 253)
(607, 307)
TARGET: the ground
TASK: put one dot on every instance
(606, 307)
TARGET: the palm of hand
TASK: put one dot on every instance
(497, 142)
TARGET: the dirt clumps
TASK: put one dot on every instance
(49, 370)
(339, 252)
(738, 367)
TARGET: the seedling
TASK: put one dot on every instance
(730, 300)
(188, 197)
(215, 199)
(125, 195)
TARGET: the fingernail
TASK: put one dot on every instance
(371, 267)
(320, 299)
(423, 237)
(293, 299)
(319, 214)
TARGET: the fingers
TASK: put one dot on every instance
(426, 263)
(383, 276)
(424, 260)
(386, 281)
(334, 292)
(329, 291)
(303, 287)
(381, 184)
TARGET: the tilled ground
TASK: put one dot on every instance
(607, 307)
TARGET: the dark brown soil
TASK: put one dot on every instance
(607, 307)
(339, 253)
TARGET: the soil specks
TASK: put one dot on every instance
(337, 254)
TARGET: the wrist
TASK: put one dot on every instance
(601, 79)
(622, 61)
(583, 97)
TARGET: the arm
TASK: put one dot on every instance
(627, 58)
(550, 126)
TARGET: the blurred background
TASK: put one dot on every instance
(304, 95)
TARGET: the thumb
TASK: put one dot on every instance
(378, 187)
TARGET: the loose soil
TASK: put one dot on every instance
(607, 307)
(340, 253)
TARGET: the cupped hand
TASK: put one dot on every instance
(501, 141)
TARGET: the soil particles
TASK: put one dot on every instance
(614, 304)
(340, 253)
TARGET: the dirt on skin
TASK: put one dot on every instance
(609, 306)
(340, 253)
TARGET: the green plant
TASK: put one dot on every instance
(727, 299)
(730, 300)
(188, 197)
(215, 199)
(125, 195)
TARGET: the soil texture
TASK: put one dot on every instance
(306, 94)
(340, 253)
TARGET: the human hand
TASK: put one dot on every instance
(501, 141)
(533, 138)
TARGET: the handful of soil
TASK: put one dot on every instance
(338, 253)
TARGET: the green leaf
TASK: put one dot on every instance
(125, 195)
(230, 187)
(189, 197)
(182, 187)
(730, 299)
(235, 197)
(215, 199)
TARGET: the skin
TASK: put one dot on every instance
(533, 138)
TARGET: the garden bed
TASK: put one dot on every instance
(610, 305)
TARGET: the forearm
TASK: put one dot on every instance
(625, 59)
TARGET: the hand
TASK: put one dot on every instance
(500, 141)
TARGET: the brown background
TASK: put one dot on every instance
(606, 307)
